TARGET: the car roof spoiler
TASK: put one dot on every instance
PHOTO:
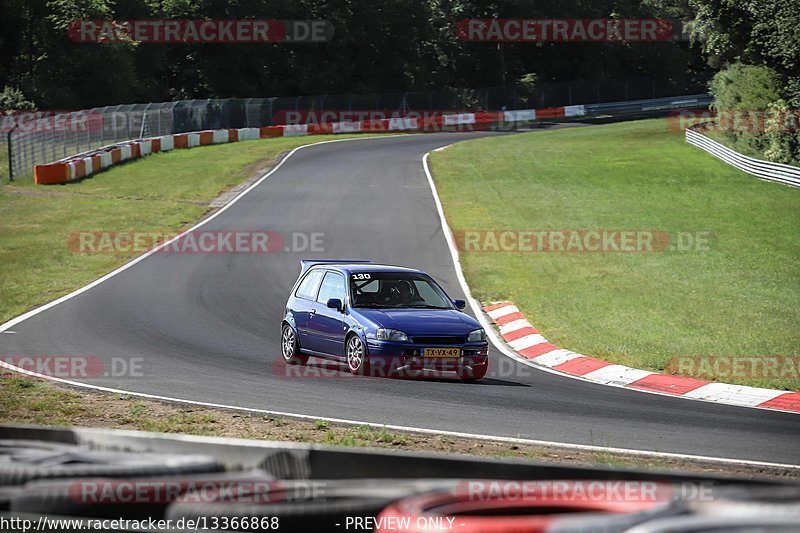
(305, 264)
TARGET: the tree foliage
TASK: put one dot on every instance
(378, 46)
(757, 45)
(755, 32)
(13, 99)
(397, 46)
(746, 87)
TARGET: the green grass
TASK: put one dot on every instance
(739, 297)
(40, 404)
(162, 193)
(364, 436)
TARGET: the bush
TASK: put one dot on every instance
(745, 87)
(759, 89)
(12, 98)
(783, 135)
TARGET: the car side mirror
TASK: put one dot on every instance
(460, 304)
(336, 303)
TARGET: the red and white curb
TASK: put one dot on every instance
(528, 343)
(85, 164)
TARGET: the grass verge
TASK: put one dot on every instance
(735, 295)
(163, 193)
(31, 401)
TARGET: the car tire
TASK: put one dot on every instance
(356, 355)
(472, 374)
(290, 347)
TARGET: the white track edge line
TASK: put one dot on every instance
(500, 344)
(412, 429)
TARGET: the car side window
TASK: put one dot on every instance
(371, 287)
(308, 287)
(332, 287)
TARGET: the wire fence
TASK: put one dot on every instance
(55, 137)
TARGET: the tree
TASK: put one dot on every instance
(756, 32)
(13, 99)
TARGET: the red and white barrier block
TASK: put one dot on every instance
(346, 127)
(519, 115)
(529, 344)
(82, 165)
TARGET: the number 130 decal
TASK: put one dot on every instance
(361, 276)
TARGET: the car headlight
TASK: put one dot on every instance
(385, 334)
(477, 336)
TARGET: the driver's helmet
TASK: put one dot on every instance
(399, 292)
(406, 291)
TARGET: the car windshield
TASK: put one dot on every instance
(396, 290)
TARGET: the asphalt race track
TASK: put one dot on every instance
(207, 325)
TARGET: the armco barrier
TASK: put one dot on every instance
(765, 170)
(646, 106)
(73, 167)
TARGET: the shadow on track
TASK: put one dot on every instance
(323, 369)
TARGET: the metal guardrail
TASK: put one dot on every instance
(650, 105)
(765, 170)
(77, 166)
(114, 124)
(119, 124)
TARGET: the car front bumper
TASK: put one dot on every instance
(409, 356)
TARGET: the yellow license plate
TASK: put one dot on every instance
(441, 352)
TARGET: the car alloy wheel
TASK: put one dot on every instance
(289, 347)
(356, 356)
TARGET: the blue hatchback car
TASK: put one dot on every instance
(380, 320)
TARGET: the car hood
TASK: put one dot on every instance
(422, 321)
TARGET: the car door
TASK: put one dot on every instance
(302, 304)
(326, 327)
